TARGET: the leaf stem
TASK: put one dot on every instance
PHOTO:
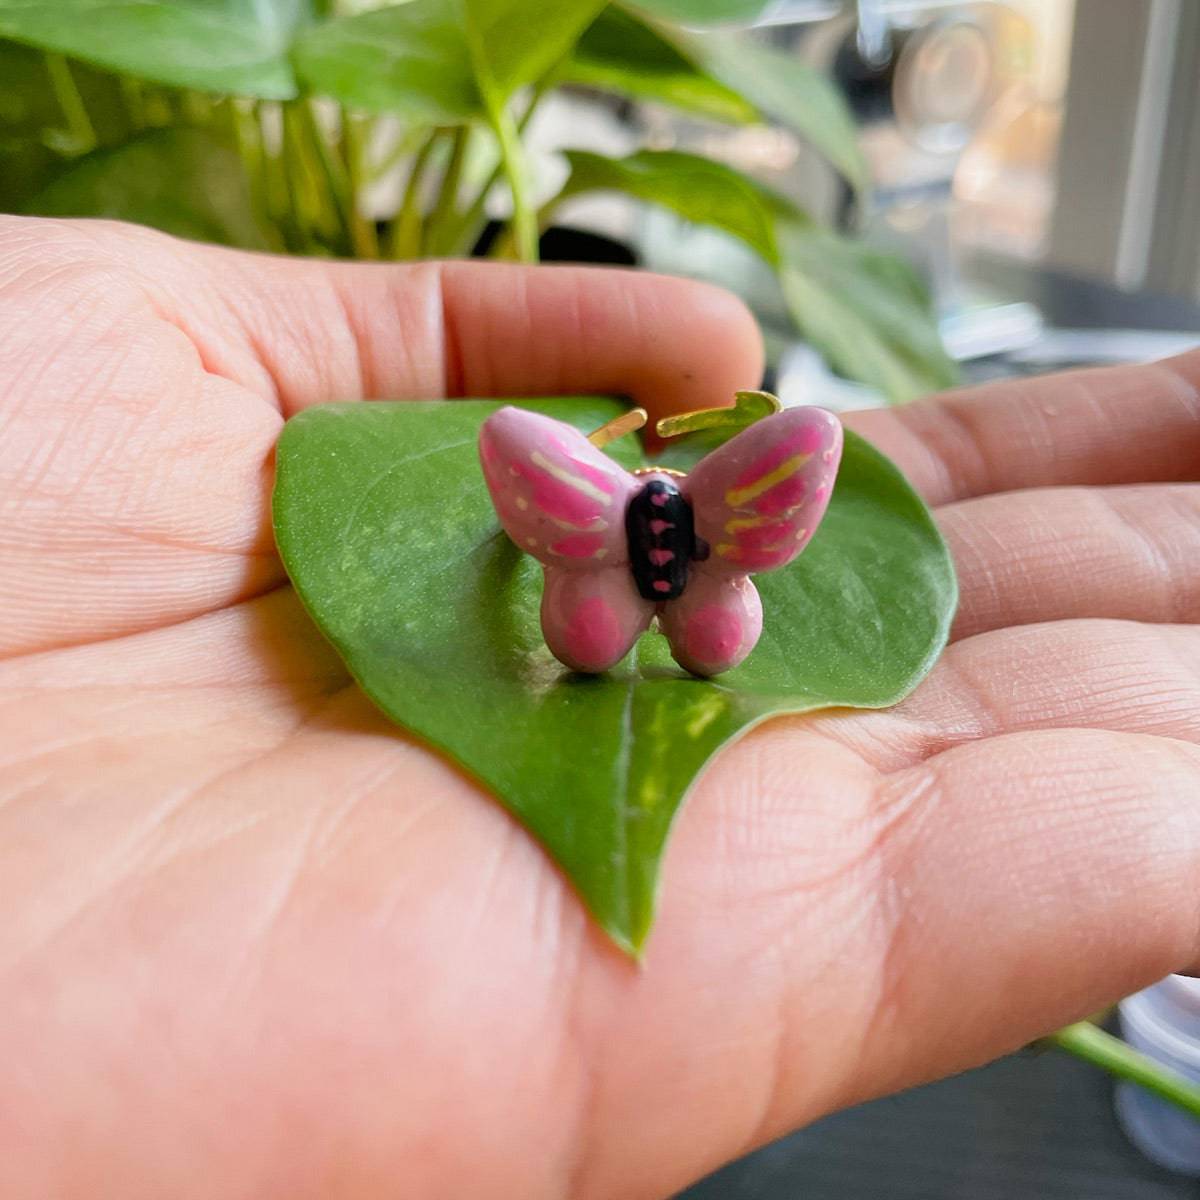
(364, 235)
(1091, 1043)
(405, 235)
(445, 208)
(512, 158)
(295, 174)
(277, 190)
(197, 107)
(467, 225)
(406, 144)
(66, 92)
(131, 95)
(317, 213)
(245, 134)
(337, 184)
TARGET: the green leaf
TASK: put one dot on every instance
(410, 60)
(696, 188)
(216, 45)
(29, 115)
(704, 12)
(385, 526)
(415, 59)
(524, 39)
(866, 311)
(40, 127)
(748, 407)
(787, 89)
(182, 181)
(621, 53)
(27, 103)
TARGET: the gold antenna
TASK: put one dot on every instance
(627, 422)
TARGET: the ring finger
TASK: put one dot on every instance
(1051, 554)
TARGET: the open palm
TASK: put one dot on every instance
(257, 943)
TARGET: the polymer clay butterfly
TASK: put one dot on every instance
(620, 548)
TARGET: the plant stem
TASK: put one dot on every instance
(406, 145)
(405, 235)
(276, 190)
(244, 133)
(1094, 1045)
(445, 208)
(363, 234)
(196, 107)
(66, 92)
(337, 184)
(131, 94)
(512, 158)
(312, 203)
(467, 226)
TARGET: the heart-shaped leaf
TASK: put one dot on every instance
(385, 526)
(620, 52)
(865, 310)
(698, 189)
(217, 45)
(437, 60)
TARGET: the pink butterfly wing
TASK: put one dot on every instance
(759, 498)
(590, 619)
(563, 501)
(714, 624)
(558, 497)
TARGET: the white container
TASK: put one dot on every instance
(1163, 1022)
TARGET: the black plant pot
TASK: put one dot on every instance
(562, 244)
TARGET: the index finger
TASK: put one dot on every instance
(1128, 424)
(343, 331)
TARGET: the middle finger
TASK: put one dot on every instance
(1052, 554)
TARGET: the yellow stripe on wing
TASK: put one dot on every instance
(737, 497)
(564, 476)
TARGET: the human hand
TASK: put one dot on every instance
(257, 943)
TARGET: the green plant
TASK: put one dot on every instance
(279, 124)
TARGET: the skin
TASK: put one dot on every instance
(258, 944)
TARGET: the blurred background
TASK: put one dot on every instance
(1034, 158)
(908, 194)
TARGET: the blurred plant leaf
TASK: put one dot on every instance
(704, 12)
(27, 103)
(698, 189)
(621, 53)
(523, 39)
(785, 88)
(36, 135)
(215, 45)
(866, 311)
(29, 119)
(436, 614)
(183, 181)
(410, 60)
(415, 59)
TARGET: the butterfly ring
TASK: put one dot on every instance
(620, 548)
